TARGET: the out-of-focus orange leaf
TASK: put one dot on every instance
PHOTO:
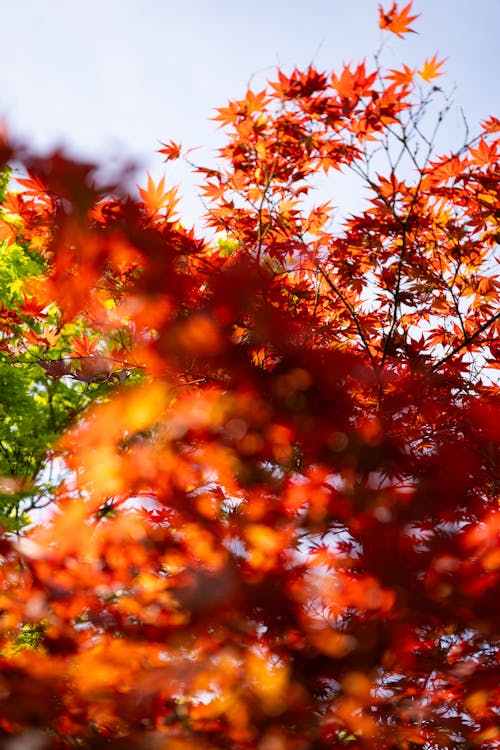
(269, 679)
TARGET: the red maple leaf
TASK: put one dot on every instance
(395, 20)
(32, 308)
(171, 150)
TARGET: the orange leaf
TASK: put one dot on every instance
(401, 77)
(83, 347)
(33, 185)
(484, 154)
(491, 125)
(398, 22)
(156, 197)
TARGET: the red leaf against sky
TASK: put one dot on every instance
(171, 150)
(401, 77)
(395, 20)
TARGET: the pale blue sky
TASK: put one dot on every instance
(113, 77)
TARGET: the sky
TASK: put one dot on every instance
(108, 79)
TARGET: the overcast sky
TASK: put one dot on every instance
(110, 78)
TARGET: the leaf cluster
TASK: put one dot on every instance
(270, 459)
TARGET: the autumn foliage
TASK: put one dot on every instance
(276, 525)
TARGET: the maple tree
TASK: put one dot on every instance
(274, 521)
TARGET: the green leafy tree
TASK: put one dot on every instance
(45, 383)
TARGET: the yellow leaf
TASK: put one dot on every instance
(431, 69)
